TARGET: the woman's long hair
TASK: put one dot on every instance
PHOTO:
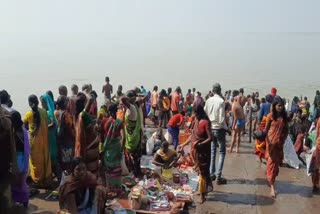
(112, 109)
(62, 102)
(275, 114)
(16, 120)
(33, 99)
(162, 94)
(200, 113)
(80, 103)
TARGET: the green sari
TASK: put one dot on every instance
(133, 132)
(112, 153)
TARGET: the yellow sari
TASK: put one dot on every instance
(40, 163)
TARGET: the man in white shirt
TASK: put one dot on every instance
(215, 109)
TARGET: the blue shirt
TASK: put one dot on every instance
(264, 110)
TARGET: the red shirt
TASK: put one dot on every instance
(176, 120)
(175, 101)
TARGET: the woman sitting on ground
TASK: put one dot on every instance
(165, 156)
(80, 194)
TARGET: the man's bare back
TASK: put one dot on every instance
(237, 111)
(107, 90)
(242, 100)
(238, 125)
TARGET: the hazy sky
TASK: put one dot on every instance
(194, 43)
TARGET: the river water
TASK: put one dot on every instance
(254, 61)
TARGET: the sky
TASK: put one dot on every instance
(255, 44)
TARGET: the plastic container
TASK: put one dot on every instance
(167, 174)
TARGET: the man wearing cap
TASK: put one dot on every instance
(215, 109)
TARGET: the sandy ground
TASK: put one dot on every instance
(246, 192)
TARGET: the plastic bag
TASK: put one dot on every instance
(124, 168)
(290, 156)
(168, 137)
(150, 145)
(310, 166)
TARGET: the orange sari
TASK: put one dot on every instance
(275, 140)
(260, 147)
(201, 155)
(87, 142)
(316, 162)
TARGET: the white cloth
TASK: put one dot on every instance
(214, 108)
(308, 161)
(7, 108)
(290, 155)
(132, 113)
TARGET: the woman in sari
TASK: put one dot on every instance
(20, 193)
(277, 126)
(132, 129)
(48, 104)
(315, 163)
(201, 149)
(65, 134)
(87, 139)
(260, 147)
(114, 139)
(164, 107)
(36, 121)
(81, 194)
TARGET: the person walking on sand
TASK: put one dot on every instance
(107, 89)
(215, 109)
(238, 124)
(277, 126)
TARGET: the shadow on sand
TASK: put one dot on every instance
(283, 187)
(238, 198)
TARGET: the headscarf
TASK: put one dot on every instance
(273, 91)
(50, 104)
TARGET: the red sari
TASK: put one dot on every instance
(275, 139)
(260, 147)
(201, 155)
(87, 142)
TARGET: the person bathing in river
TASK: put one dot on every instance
(107, 90)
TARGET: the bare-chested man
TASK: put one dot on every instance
(107, 89)
(242, 99)
(238, 124)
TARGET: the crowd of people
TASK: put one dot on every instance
(82, 147)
